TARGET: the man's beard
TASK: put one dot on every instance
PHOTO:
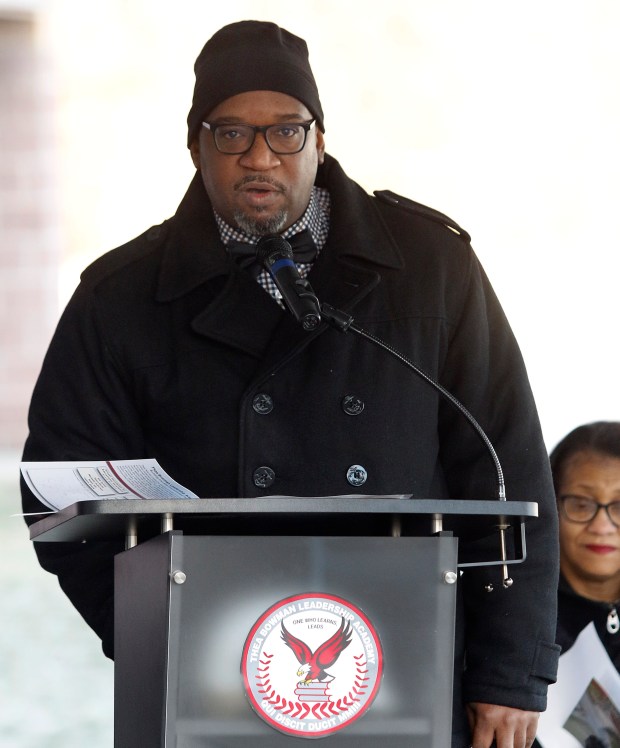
(261, 226)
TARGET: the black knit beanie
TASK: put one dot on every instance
(252, 56)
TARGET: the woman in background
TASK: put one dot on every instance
(586, 476)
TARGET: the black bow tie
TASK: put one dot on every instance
(304, 250)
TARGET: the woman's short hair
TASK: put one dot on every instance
(602, 437)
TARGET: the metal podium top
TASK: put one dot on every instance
(108, 519)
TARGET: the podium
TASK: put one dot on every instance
(261, 622)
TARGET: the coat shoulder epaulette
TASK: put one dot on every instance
(422, 210)
(118, 258)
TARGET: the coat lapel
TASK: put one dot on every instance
(242, 316)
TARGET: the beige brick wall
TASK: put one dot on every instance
(28, 220)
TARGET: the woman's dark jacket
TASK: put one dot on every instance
(166, 343)
(576, 612)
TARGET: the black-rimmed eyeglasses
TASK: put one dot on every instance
(583, 510)
(284, 138)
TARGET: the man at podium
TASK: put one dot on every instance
(181, 346)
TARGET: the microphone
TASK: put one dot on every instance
(276, 255)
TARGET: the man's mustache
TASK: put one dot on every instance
(262, 179)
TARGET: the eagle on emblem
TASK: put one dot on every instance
(315, 664)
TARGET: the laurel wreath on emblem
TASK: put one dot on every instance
(296, 709)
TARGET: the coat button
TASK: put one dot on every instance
(352, 405)
(264, 477)
(357, 475)
(262, 403)
(153, 233)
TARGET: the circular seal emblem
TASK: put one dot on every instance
(311, 665)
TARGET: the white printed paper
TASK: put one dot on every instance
(60, 484)
(586, 661)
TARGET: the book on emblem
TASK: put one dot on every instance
(316, 691)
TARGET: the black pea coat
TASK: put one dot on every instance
(168, 350)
